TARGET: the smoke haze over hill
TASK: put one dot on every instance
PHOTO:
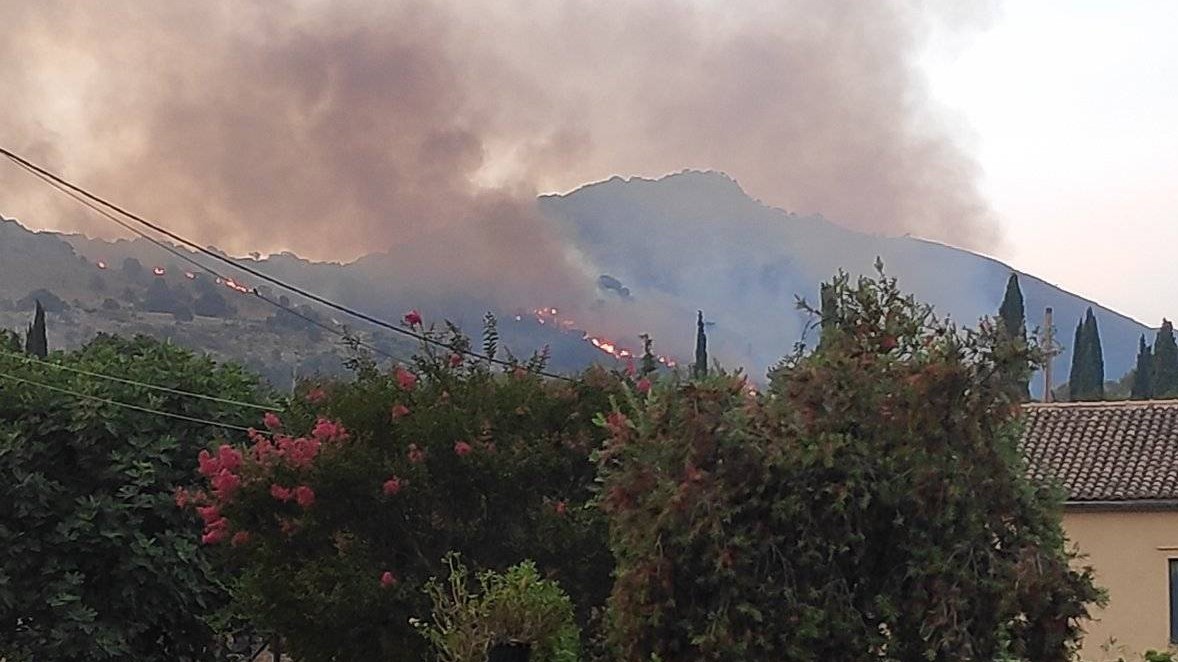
(425, 128)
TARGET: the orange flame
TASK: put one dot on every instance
(550, 315)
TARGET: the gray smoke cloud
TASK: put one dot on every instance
(425, 129)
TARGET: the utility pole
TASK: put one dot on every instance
(1051, 351)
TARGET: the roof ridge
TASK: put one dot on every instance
(1098, 404)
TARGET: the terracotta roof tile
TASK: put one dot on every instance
(1105, 451)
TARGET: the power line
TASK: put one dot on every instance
(29, 165)
(125, 405)
(132, 382)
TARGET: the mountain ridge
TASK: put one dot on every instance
(687, 240)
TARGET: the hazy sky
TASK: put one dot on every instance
(1071, 109)
(1038, 131)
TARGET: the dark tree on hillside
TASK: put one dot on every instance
(1086, 381)
(212, 304)
(1011, 312)
(1165, 363)
(1095, 356)
(701, 347)
(132, 268)
(159, 298)
(1142, 388)
(1014, 322)
(36, 342)
(1077, 379)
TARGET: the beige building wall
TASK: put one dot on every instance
(1130, 553)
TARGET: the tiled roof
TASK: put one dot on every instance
(1105, 451)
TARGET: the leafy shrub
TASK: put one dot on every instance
(873, 506)
(98, 562)
(395, 470)
(514, 606)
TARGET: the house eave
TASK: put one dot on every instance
(1125, 505)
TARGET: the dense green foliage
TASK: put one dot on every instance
(1165, 363)
(1086, 381)
(1142, 388)
(839, 519)
(98, 563)
(516, 606)
(388, 474)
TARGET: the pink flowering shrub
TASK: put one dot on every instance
(338, 512)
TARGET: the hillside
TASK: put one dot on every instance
(696, 239)
(658, 249)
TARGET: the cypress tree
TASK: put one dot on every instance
(1078, 379)
(36, 342)
(1095, 357)
(1142, 388)
(701, 347)
(1014, 322)
(1165, 363)
(1011, 312)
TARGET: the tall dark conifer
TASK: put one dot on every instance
(36, 342)
(1014, 322)
(1094, 356)
(701, 347)
(1142, 388)
(1011, 312)
(1165, 362)
(1078, 378)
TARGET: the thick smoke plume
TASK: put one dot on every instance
(335, 129)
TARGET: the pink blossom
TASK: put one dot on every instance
(392, 486)
(315, 396)
(181, 497)
(405, 379)
(412, 318)
(461, 448)
(455, 360)
(213, 536)
(240, 538)
(225, 484)
(215, 531)
(281, 493)
(209, 514)
(400, 410)
(630, 369)
(304, 496)
(271, 421)
(388, 579)
(560, 507)
(299, 453)
(209, 466)
(643, 385)
(415, 454)
(263, 449)
(229, 458)
(329, 431)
